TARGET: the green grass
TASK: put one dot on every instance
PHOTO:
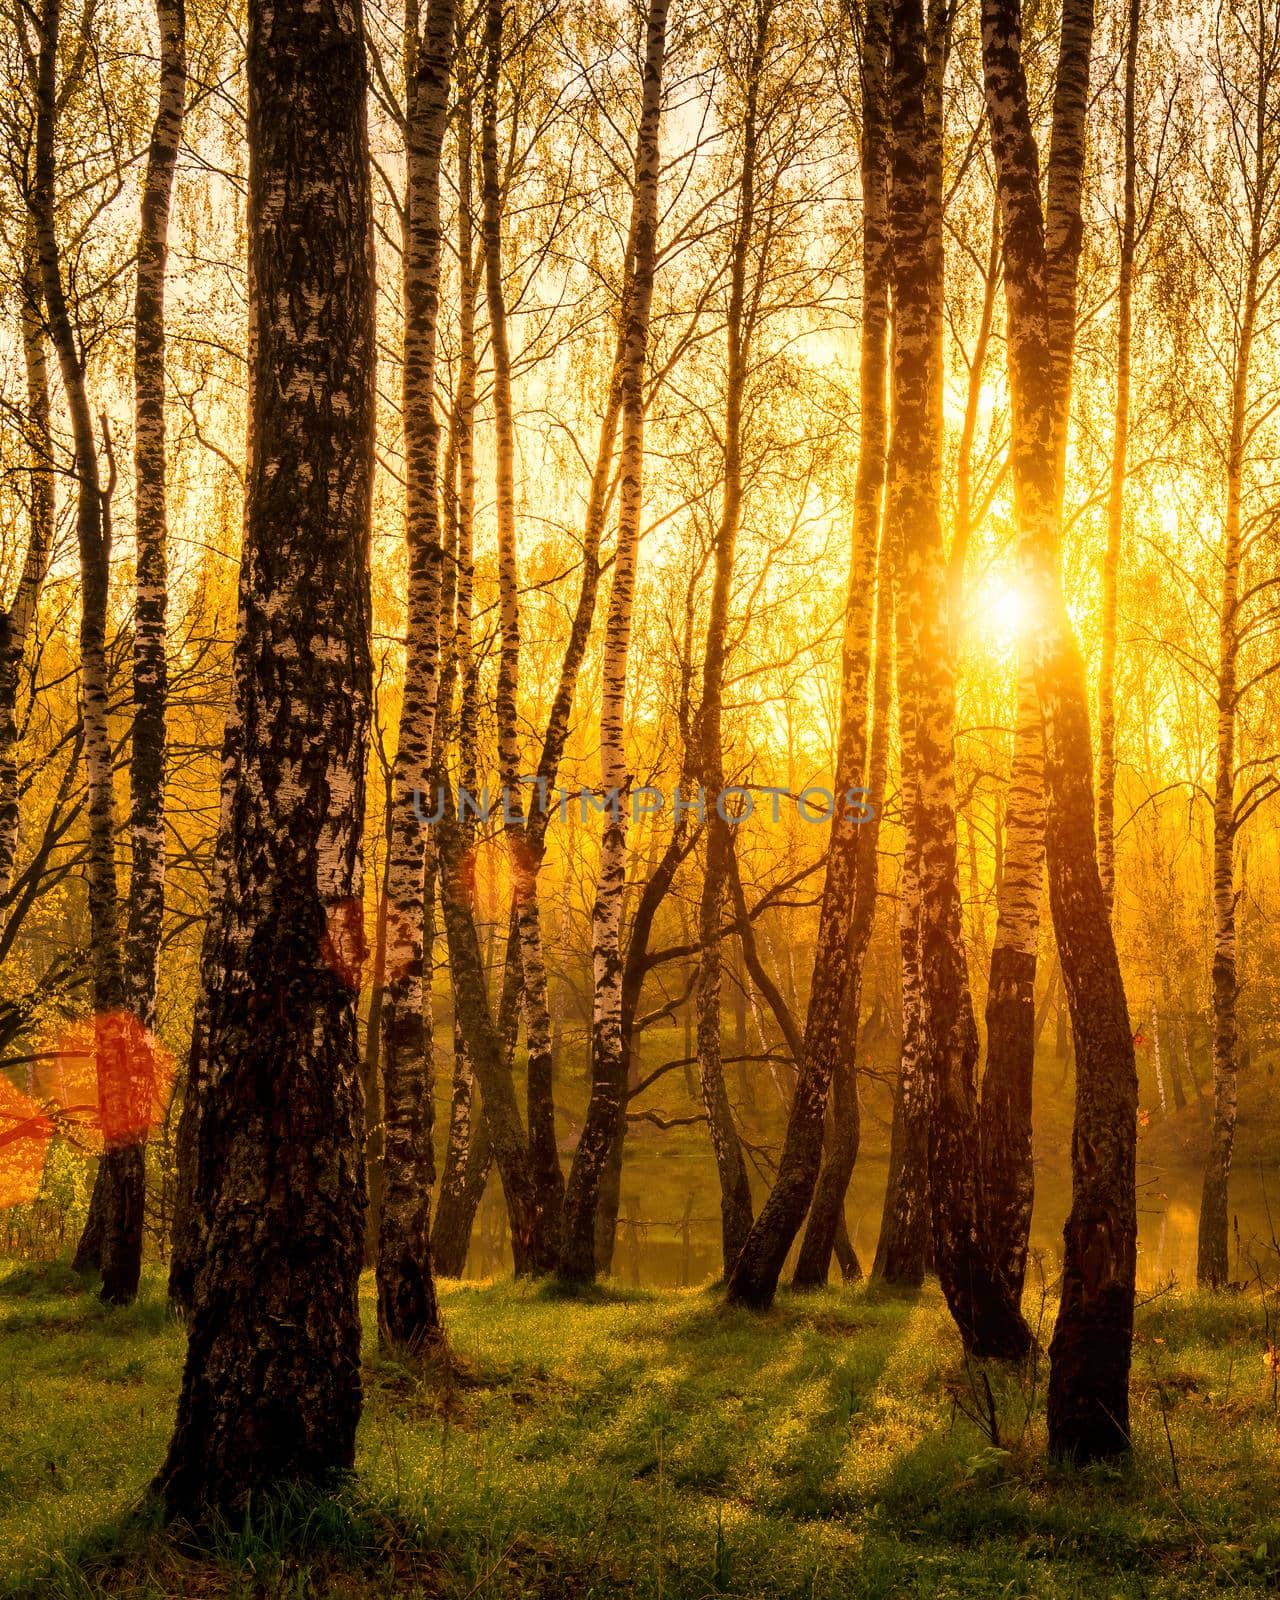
(650, 1444)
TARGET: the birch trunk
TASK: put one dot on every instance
(17, 622)
(1008, 1169)
(1092, 1342)
(754, 1279)
(1212, 1266)
(408, 1313)
(608, 1059)
(902, 1250)
(825, 1231)
(962, 533)
(466, 1165)
(123, 1190)
(989, 1321)
(1119, 468)
(1004, 1116)
(707, 738)
(869, 570)
(93, 537)
(271, 1387)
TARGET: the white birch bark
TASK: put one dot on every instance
(608, 1063)
(408, 1313)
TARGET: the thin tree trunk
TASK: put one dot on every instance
(989, 1321)
(902, 1250)
(608, 1059)
(825, 1230)
(707, 735)
(93, 535)
(1119, 468)
(408, 1313)
(371, 1067)
(962, 533)
(271, 1388)
(652, 896)
(1092, 1342)
(16, 623)
(827, 1209)
(466, 1166)
(754, 1279)
(1004, 1116)
(487, 1045)
(123, 1192)
(1212, 1256)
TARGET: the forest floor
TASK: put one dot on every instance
(648, 1443)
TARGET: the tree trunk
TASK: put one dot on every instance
(902, 1250)
(656, 889)
(965, 518)
(608, 1059)
(468, 1154)
(1119, 469)
(123, 1191)
(989, 1321)
(466, 1175)
(103, 1233)
(827, 1209)
(754, 1279)
(16, 623)
(271, 1387)
(707, 735)
(1092, 1342)
(408, 1313)
(1004, 1115)
(825, 1232)
(1212, 1256)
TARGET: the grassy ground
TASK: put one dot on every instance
(649, 1444)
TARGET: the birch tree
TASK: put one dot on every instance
(1246, 70)
(408, 1313)
(93, 537)
(744, 302)
(1119, 462)
(271, 1384)
(1090, 1355)
(754, 1278)
(608, 1061)
(986, 1314)
(17, 621)
(120, 1193)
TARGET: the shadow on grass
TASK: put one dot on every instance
(300, 1540)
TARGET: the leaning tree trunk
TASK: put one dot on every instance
(1119, 468)
(271, 1387)
(823, 1233)
(408, 1314)
(1004, 1116)
(608, 1058)
(827, 1209)
(17, 622)
(124, 1190)
(989, 1321)
(1093, 1336)
(754, 1279)
(707, 736)
(544, 1162)
(93, 536)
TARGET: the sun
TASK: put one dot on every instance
(1006, 607)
